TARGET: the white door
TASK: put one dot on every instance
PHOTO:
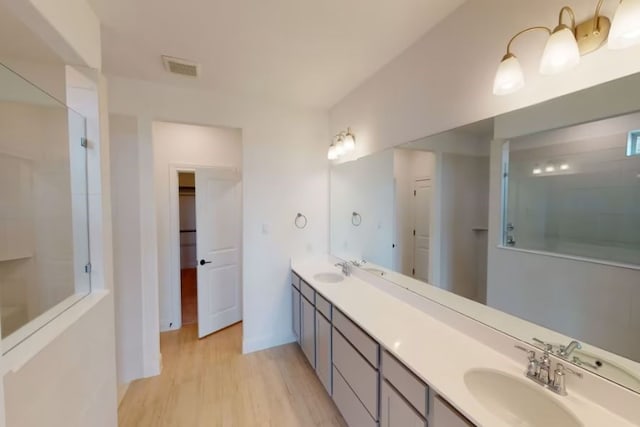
(218, 216)
(422, 221)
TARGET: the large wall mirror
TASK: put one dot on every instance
(528, 222)
(44, 227)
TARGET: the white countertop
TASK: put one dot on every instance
(436, 352)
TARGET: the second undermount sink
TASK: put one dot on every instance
(517, 401)
(329, 277)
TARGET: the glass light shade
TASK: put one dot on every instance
(332, 154)
(625, 28)
(349, 142)
(339, 147)
(509, 77)
(561, 52)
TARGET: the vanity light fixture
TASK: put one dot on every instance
(340, 150)
(537, 171)
(566, 43)
(333, 153)
(550, 168)
(349, 141)
(564, 167)
(343, 143)
(561, 52)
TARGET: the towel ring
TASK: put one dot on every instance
(300, 221)
(356, 219)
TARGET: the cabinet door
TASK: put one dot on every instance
(445, 416)
(308, 331)
(295, 322)
(396, 412)
(323, 351)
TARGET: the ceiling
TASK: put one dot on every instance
(290, 51)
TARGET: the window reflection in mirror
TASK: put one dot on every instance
(44, 237)
(576, 191)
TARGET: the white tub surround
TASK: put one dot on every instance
(440, 354)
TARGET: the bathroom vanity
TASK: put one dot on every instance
(387, 361)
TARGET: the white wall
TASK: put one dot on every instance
(365, 186)
(446, 78)
(69, 381)
(65, 373)
(125, 195)
(464, 189)
(284, 172)
(183, 145)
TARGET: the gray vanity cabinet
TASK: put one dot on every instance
(404, 397)
(395, 411)
(445, 416)
(324, 342)
(356, 377)
(295, 322)
(323, 351)
(308, 324)
(295, 304)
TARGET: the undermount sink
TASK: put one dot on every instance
(329, 277)
(517, 401)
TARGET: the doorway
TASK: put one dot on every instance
(207, 206)
(421, 226)
(188, 247)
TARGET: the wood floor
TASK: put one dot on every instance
(210, 383)
(189, 295)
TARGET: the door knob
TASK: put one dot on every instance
(203, 262)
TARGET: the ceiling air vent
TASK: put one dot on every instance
(181, 66)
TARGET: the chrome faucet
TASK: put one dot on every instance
(346, 267)
(544, 372)
(566, 351)
(540, 370)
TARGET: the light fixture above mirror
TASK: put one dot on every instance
(566, 43)
(343, 143)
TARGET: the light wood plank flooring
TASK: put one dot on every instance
(189, 295)
(210, 383)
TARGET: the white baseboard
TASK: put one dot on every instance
(262, 343)
(153, 366)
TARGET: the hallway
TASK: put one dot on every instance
(209, 383)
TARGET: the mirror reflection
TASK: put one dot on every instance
(576, 191)
(44, 234)
(534, 234)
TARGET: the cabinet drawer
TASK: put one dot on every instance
(410, 386)
(356, 336)
(295, 280)
(357, 372)
(323, 306)
(445, 415)
(308, 292)
(396, 411)
(349, 405)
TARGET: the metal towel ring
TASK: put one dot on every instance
(356, 219)
(300, 221)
